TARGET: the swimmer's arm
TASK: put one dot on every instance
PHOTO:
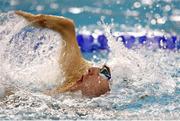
(72, 62)
(49, 21)
(59, 24)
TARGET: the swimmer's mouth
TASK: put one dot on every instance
(105, 72)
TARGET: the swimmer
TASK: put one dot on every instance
(79, 74)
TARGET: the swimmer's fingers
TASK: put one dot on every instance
(28, 16)
(38, 20)
(56, 23)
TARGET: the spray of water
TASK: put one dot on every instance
(141, 67)
(29, 62)
(29, 55)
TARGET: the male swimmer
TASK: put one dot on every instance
(79, 74)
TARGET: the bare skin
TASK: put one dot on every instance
(79, 75)
(92, 84)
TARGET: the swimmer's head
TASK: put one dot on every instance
(103, 72)
(96, 81)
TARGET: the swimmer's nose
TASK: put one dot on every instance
(93, 71)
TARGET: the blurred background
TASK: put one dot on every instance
(163, 15)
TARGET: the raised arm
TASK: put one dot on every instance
(73, 65)
(60, 24)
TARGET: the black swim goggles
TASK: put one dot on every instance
(105, 72)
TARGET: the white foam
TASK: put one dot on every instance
(22, 65)
(2, 90)
(140, 66)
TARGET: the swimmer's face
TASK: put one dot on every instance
(103, 72)
(96, 82)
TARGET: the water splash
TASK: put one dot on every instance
(145, 82)
(141, 66)
(29, 55)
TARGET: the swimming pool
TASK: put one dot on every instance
(145, 76)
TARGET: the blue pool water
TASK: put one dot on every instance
(156, 14)
(145, 73)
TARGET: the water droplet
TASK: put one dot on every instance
(54, 5)
(137, 5)
(167, 8)
(161, 20)
(153, 21)
(75, 10)
(39, 8)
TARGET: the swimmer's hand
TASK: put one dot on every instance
(57, 23)
(38, 20)
(28, 16)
